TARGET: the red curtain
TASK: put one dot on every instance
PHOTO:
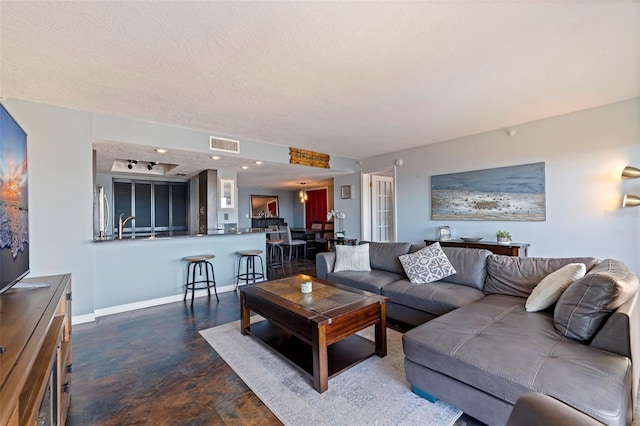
(272, 208)
(316, 207)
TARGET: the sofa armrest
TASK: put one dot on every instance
(534, 409)
(620, 335)
(324, 264)
(616, 334)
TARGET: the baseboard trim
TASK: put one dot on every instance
(142, 304)
(81, 319)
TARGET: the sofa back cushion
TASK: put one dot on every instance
(587, 303)
(470, 266)
(384, 256)
(518, 276)
(416, 246)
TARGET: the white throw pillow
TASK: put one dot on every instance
(352, 258)
(549, 290)
(427, 265)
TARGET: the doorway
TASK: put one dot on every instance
(315, 208)
(378, 206)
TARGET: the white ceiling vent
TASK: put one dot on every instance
(223, 144)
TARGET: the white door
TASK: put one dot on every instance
(382, 208)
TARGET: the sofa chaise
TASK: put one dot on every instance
(476, 347)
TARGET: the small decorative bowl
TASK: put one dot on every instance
(471, 239)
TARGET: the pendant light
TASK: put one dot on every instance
(303, 193)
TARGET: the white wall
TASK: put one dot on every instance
(352, 206)
(61, 190)
(60, 194)
(584, 154)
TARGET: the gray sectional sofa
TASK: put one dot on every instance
(476, 347)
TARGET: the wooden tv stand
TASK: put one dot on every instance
(35, 352)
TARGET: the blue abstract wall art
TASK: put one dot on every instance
(515, 193)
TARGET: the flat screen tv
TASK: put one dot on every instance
(14, 204)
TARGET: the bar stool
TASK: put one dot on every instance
(198, 262)
(250, 273)
(275, 256)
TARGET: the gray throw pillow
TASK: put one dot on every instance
(427, 265)
(587, 303)
(352, 258)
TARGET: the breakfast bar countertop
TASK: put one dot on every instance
(167, 236)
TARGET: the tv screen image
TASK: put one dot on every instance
(14, 204)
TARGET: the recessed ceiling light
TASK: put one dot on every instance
(258, 162)
(215, 157)
(245, 167)
(161, 150)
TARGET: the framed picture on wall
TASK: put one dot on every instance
(503, 193)
(345, 191)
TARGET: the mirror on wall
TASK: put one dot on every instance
(264, 203)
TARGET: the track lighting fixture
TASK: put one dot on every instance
(131, 164)
(151, 165)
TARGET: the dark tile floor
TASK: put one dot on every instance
(151, 367)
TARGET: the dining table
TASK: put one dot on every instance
(306, 234)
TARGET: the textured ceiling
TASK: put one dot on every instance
(352, 79)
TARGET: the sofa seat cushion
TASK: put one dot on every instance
(436, 298)
(496, 346)
(371, 281)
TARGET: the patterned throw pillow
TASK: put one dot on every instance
(427, 265)
(352, 258)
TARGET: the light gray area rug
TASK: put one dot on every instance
(374, 392)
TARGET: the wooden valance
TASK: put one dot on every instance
(308, 158)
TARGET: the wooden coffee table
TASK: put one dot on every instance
(315, 331)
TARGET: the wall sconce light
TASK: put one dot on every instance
(303, 193)
(630, 173)
(131, 164)
(630, 200)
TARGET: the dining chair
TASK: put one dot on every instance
(326, 236)
(290, 243)
(323, 239)
(315, 225)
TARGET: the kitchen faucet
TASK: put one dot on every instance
(121, 224)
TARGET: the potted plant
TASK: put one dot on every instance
(504, 237)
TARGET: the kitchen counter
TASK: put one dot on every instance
(146, 271)
(162, 236)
